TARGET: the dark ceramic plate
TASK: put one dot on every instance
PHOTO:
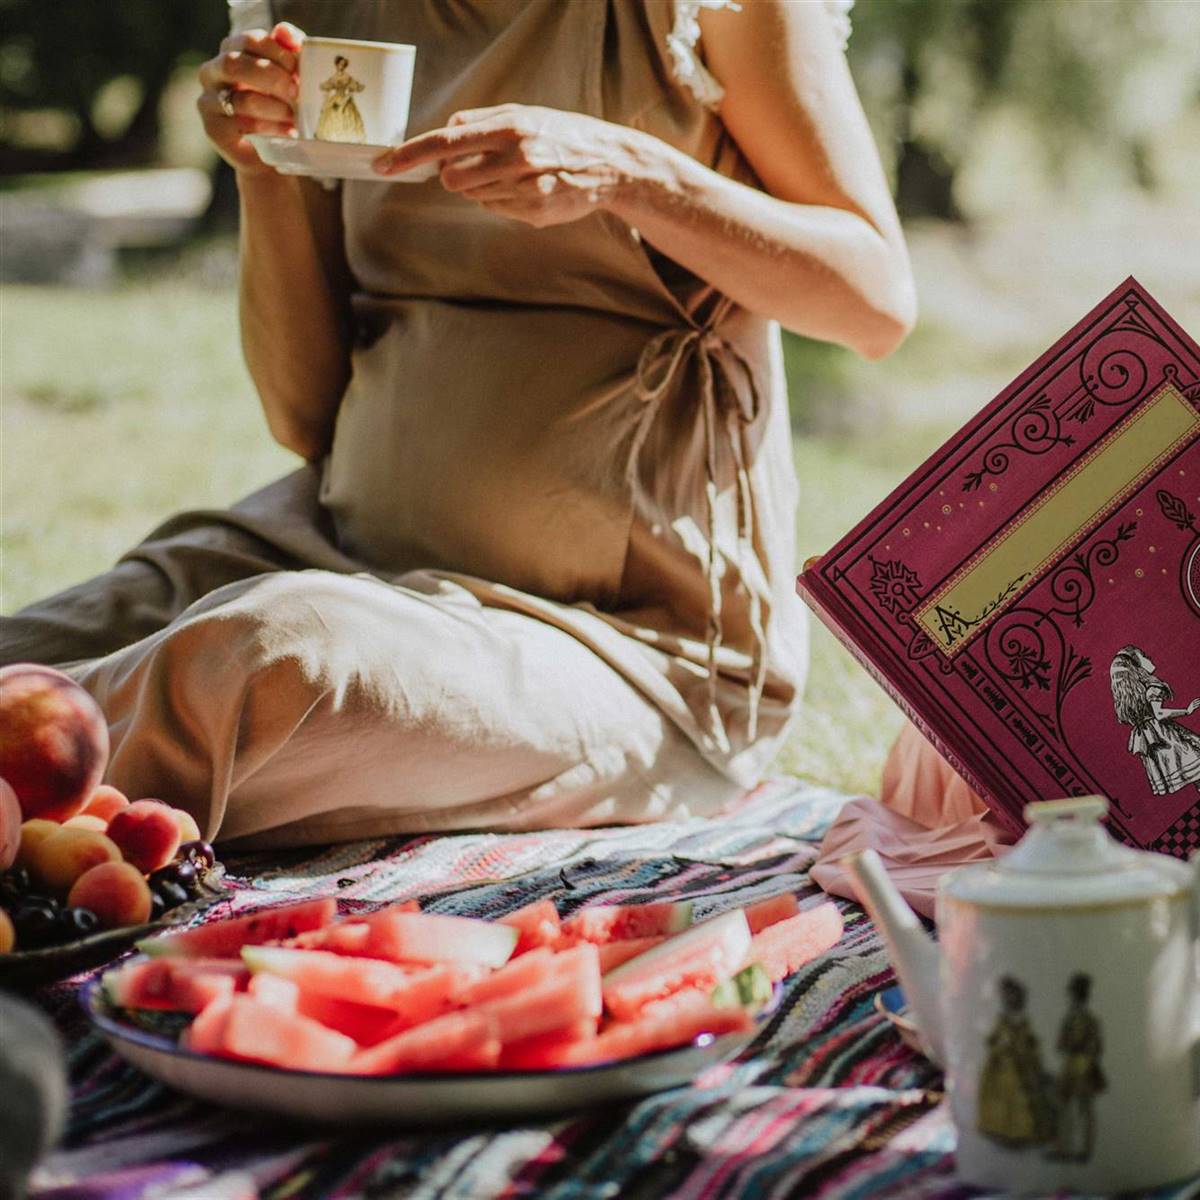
(32, 968)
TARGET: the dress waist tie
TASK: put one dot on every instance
(724, 409)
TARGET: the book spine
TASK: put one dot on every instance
(809, 588)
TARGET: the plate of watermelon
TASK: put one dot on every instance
(419, 1018)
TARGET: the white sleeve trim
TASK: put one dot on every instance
(839, 14)
(684, 41)
(249, 14)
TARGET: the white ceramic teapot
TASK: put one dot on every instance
(1064, 1003)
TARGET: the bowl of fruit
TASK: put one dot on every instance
(410, 1016)
(84, 871)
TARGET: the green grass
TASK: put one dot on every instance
(121, 407)
(118, 409)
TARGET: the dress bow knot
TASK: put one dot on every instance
(728, 399)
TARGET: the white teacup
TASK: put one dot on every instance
(355, 92)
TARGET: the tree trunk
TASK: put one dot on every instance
(924, 179)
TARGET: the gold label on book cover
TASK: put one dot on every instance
(1099, 483)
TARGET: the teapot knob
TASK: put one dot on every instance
(1072, 808)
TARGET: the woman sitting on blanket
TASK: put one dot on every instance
(538, 567)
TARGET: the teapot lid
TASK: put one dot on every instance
(1067, 859)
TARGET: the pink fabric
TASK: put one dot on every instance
(927, 822)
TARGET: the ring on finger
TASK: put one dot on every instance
(225, 100)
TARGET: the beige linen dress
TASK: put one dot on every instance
(545, 574)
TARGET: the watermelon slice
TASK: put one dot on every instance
(173, 986)
(367, 1024)
(701, 956)
(536, 924)
(348, 936)
(415, 995)
(570, 993)
(404, 937)
(275, 992)
(544, 1050)
(458, 1041)
(675, 1021)
(615, 953)
(784, 948)
(205, 1033)
(525, 972)
(620, 922)
(224, 939)
(254, 1032)
(769, 911)
(342, 937)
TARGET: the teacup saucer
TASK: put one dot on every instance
(892, 1005)
(330, 160)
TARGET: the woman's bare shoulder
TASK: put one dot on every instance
(791, 105)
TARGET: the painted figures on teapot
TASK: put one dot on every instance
(1064, 1003)
(1021, 1103)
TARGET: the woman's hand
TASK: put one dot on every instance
(1195, 704)
(538, 165)
(250, 87)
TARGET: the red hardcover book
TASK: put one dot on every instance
(1030, 596)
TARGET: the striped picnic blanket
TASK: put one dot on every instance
(827, 1101)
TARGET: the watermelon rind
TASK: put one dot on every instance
(702, 956)
(729, 928)
(750, 988)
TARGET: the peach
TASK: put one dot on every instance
(117, 892)
(85, 820)
(8, 935)
(105, 802)
(147, 834)
(10, 825)
(33, 833)
(64, 856)
(189, 831)
(53, 740)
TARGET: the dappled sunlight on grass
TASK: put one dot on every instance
(119, 408)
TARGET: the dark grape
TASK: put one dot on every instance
(172, 893)
(198, 852)
(182, 872)
(15, 886)
(36, 925)
(157, 905)
(15, 880)
(186, 874)
(77, 922)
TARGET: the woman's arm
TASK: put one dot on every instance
(294, 283)
(293, 302)
(820, 250)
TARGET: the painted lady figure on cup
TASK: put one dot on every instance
(340, 120)
(1169, 751)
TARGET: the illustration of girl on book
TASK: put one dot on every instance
(1169, 751)
(340, 120)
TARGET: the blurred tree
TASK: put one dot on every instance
(930, 70)
(63, 54)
